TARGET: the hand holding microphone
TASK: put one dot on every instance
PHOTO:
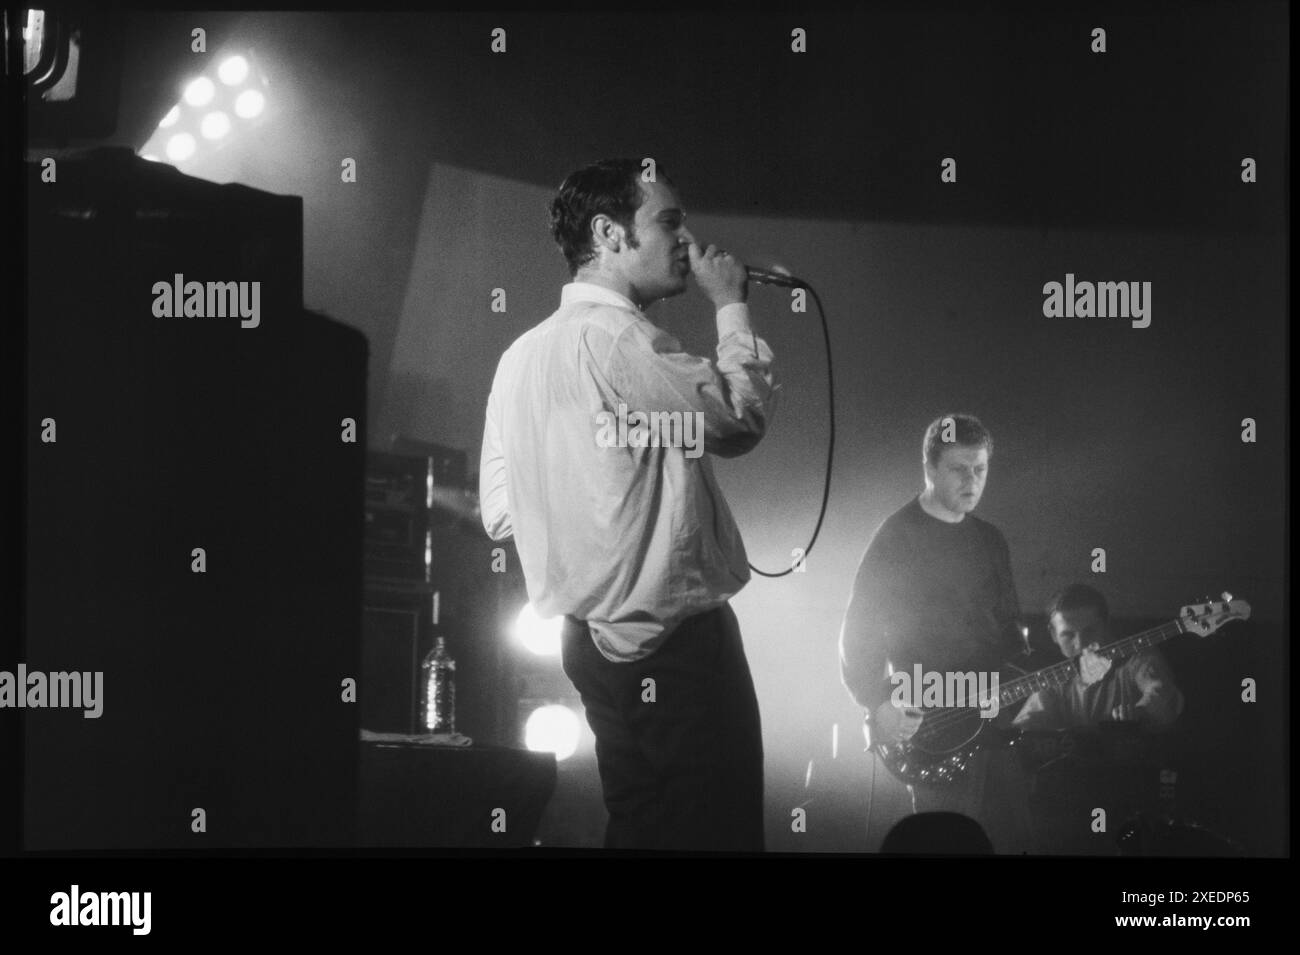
(721, 278)
(781, 278)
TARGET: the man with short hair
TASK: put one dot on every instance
(626, 534)
(935, 588)
(1140, 689)
(1074, 774)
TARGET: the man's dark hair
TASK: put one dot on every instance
(967, 432)
(1077, 597)
(609, 187)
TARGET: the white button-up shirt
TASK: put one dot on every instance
(593, 461)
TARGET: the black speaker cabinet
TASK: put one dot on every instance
(194, 522)
(390, 661)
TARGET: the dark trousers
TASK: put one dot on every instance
(680, 758)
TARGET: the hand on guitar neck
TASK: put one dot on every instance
(894, 724)
(1092, 666)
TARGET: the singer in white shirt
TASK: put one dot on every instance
(596, 461)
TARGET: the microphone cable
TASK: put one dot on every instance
(830, 444)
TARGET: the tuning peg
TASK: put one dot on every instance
(1227, 597)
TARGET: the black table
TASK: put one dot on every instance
(415, 795)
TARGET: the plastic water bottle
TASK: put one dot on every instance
(438, 696)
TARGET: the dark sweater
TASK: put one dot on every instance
(928, 592)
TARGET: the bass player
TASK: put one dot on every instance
(935, 588)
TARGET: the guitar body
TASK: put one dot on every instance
(941, 749)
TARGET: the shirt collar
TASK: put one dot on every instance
(589, 292)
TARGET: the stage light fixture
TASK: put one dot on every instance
(215, 125)
(33, 41)
(249, 104)
(211, 110)
(200, 91)
(233, 70)
(541, 636)
(553, 729)
(181, 147)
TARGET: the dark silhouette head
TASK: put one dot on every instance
(937, 834)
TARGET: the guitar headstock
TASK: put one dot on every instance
(1204, 618)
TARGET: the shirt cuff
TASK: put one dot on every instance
(734, 318)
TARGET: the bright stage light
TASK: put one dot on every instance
(553, 729)
(173, 114)
(181, 147)
(200, 91)
(249, 103)
(233, 70)
(215, 125)
(540, 636)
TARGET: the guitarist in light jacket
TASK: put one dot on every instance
(1141, 689)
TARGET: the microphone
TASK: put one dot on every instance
(768, 277)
